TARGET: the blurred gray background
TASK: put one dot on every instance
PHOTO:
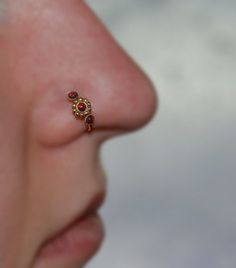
(172, 201)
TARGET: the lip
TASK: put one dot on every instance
(78, 241)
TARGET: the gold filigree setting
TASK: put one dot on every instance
(81, 113)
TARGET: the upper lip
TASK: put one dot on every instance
(92, 207)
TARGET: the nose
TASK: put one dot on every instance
(79, 53)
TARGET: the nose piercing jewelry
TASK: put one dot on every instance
(82, 109)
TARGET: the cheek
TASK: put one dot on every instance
(13, 201)
(13, 180)
(11, 211)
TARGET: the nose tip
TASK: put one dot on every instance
(129, 102)
(143, 104)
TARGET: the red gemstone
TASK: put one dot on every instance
(89, 119)
(73, 95)
(81, 106)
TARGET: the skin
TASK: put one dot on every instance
(49, 167)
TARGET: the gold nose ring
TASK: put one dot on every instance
(82, 109)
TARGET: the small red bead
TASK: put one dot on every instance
(81, 106)
(89, 119)
(73, 95)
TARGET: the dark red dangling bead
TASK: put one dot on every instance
(89, 119)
